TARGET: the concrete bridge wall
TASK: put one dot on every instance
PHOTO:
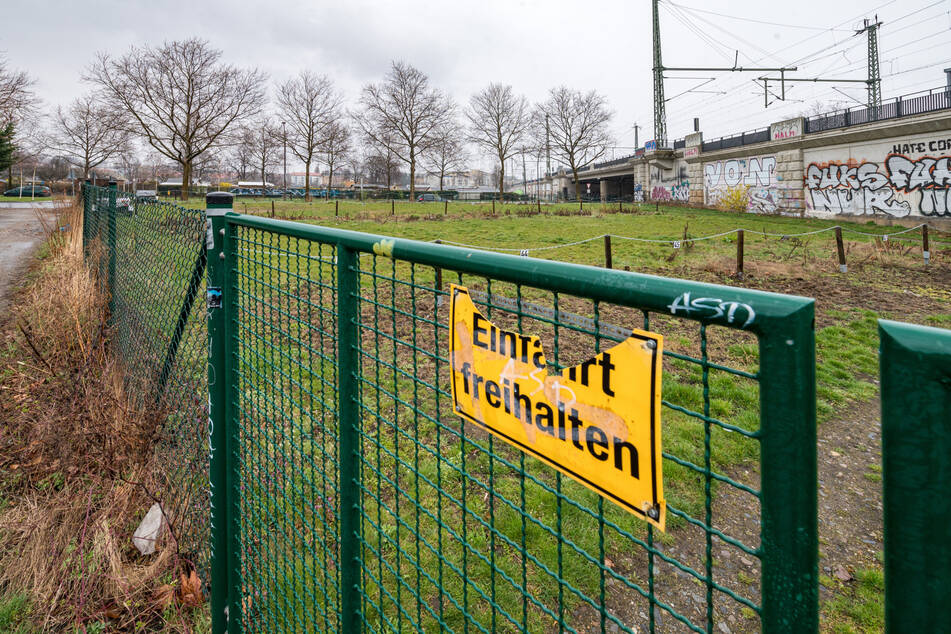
(897, 168)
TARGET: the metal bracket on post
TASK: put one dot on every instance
(225, 609)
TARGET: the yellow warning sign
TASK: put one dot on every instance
(597, 422)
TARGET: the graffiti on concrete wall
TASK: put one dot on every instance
(907, 178)
(747, 184)
(670, 184)
(853, 188)
(900, 187)
(928, 176)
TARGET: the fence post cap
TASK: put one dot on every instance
(219, 200)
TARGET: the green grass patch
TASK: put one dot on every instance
(14, 614)
(858, 607)
(24, 199)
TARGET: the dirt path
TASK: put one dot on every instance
(21, 231)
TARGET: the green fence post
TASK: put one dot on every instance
(790, 576)
(348, 314)
(111, 241)
(217, 205)
(915, 366)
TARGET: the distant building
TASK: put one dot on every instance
(462, 179)
(296, 179)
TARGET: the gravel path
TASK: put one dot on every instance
(20, 233)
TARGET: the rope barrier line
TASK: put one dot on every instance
(678, 241)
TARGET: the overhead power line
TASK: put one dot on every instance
(736, 17)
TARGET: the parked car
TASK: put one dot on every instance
(29, 190)
(148, 195)
(430, 198)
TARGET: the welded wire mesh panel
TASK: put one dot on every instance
(459, 530)
(150, 258)
(462, 531)
(284, 340)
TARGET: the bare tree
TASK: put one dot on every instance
(132, 167)
(181, 98)
(239, 158)
(17, 99)
(578, 127)
(336, 147)
(499, 121)
(381, 166)
(819, 107)
(88, 134)
(262, 144)
(402, 114)
(18, 109)
(310, 106)
(447, 153)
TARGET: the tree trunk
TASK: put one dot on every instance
(442, 176)
(307, 181)
(574, 171)
(186, 178)
(330, 177)
(412, 175)
(502, 180)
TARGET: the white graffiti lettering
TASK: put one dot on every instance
(853, 190)
(907, 175)
(863, 189)
(756, 172)
(712, 308)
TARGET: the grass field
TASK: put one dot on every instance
(24, 199)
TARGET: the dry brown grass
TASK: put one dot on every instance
(73, 454)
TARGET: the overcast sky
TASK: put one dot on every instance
(604, 45)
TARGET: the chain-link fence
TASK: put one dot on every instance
(150, 257)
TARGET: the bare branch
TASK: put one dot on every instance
(88, 134)
(311, 107)
(498, 121)
(402, 114)
(178, 96)
(577, 126)
(447, 152)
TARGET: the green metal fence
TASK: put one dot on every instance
(347, 495)
(150, 258)
(916, 456)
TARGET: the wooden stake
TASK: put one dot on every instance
(493, 206)
(607, 252)
(336, 207)
(445, 210)
(739, 254)
(392, 207)
(841, 250)
(272, 208)
(539, 205)
(925, 251)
